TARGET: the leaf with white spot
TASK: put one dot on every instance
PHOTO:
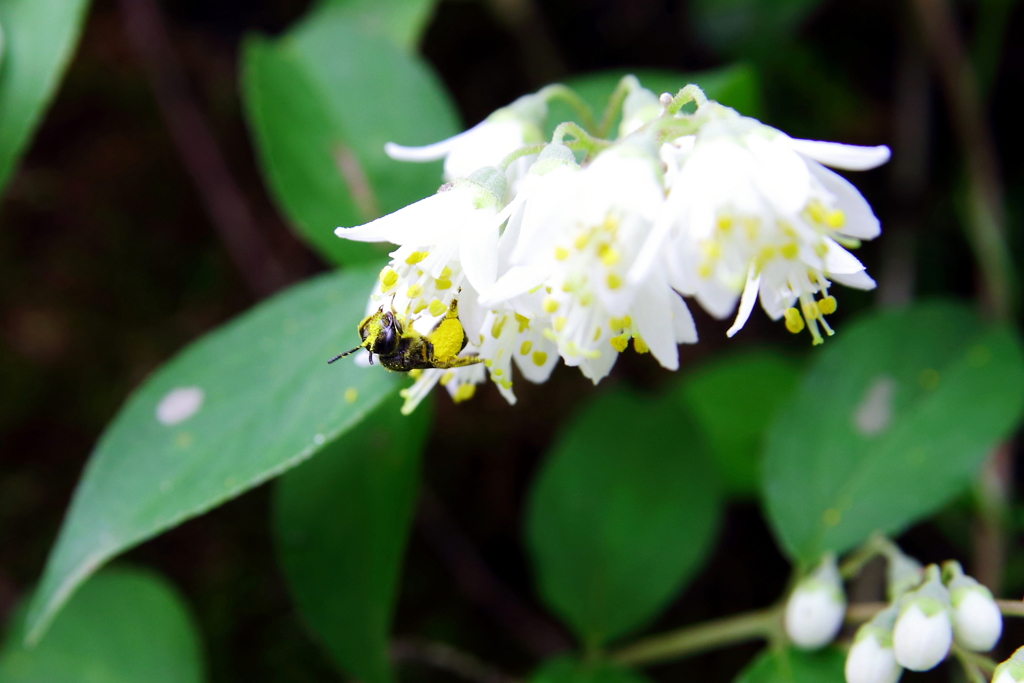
(239, 406)
(890, 422)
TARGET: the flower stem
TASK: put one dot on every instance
(521, 152)
(975, 666)
(589, 142)
(558, 91)
(761, 624)
(690, 93)
(615, 100)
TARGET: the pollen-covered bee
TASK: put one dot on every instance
(401, 348)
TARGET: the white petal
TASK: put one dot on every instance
(432, 152)
(860, 219)
(716, 299)
(782, 174)
(859, 280)
(425, 222)
(839, 260)
(682, 321)
(478, 251)
(651, 313)
(518, 280)
(838, 155)
(527, 364)
(747, 301)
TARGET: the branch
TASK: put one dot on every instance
(762, 624)
(478, 584)
(199, 152)
(447, 658)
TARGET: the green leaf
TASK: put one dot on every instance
(733, 399)
(737, 86)
(748, 27)
(890, 422)
(401, 21)
(269, 402)
(124, 625)
(321, 102)
(342, 521)
(570, 670)
(795, 666)
(38, 39)
(621, 515)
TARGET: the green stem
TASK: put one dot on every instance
(1011, 608)
(589, 142)
(615, 100)
(974, 665)
(566, 94)
(690, 93)
(762, 624)
(521, 152)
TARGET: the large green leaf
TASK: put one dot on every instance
(733, 399)
(268, 402)
(570, 670)
(795, 666)
(621, 515)
(737, 86)
(342, 521)
(321, 101)
(402, 21)
(38, 37)
(890, 422)
(123, 626)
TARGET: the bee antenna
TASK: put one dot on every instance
(342, 355)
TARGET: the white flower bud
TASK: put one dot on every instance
(1012, 670)
(814, 612)
(904, 572)
(871, 659)
(977, 621)
(923, 633)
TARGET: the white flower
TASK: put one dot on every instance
(486, 143)
(752, 210)
(977, 621)
(871, 659)
(815, 609)
(1012, 670)
(576, 234)
(923, 633)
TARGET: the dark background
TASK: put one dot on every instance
(109, 263)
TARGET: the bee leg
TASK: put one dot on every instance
(457, 362)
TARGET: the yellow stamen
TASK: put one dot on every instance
(415, 373)
(810, 310)
(828, 305)
(620, 342)
(794, 322)
(505, 384)
(446, 377)
(388, 278)
(436, 307)
(559, 323)
(464, 392)
(609, 255)
(442, 284)
(414, 291)
(816, 211)
(420, 305)
(496, 327)
(613, 281)
(550, 305)
(539, 358)
(724, 223)
(525, 347)
(835, 219)
(639, 345)
(446, 273)
(488, 362)
(789, 251)
(497, 372)
(581, 241)
(415, 257)
(523, 321)
(561, 253)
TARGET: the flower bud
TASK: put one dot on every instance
(923, 633)
(977, 621)
(814, 612)
(904, 572)
(871, 658)
(1012, 670)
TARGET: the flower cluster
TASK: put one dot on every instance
(931, 611)
(579, 247)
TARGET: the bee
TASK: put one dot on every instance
(401, 348)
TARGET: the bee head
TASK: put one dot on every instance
(381, 332)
